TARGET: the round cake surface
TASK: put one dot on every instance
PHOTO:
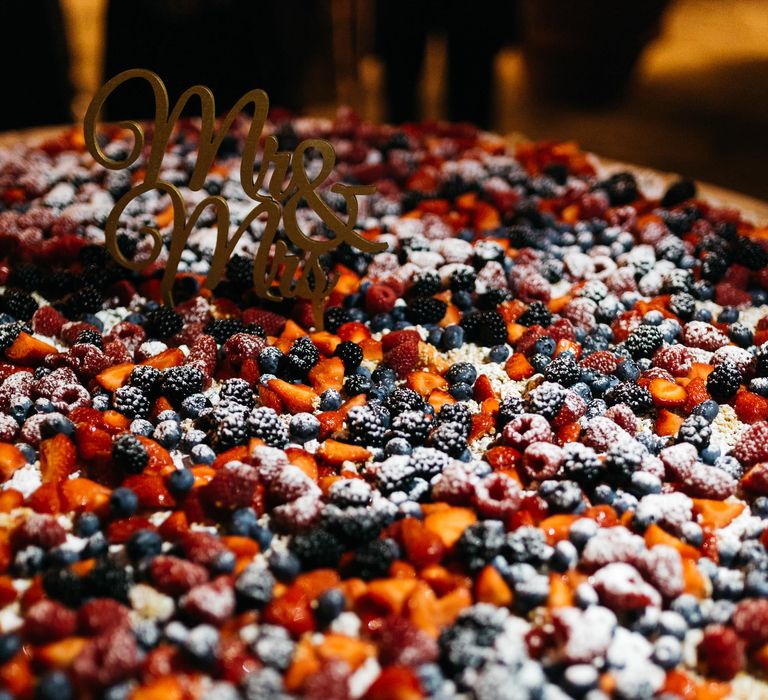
(526, 458)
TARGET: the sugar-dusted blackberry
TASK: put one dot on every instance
(624, 458)
(357, 384)
(509, 407)
(638, 398)
(19, 304)
(263, 422)
(182, 381)
(536, 314)
(351, 355)
(449, 438)
(490, 300)
(131, 402)
(87, 299)
(9, 332)
(129, 454)
(368, 424)
(335, 318)
(240, 271)
(713, 267)
(317, 548)
(581, 463)
(423, 310)
(644, 341)
(237, 390)
(404, 400)
(302, 356)
(723, 381)
(562, 496)
(696, 430)
(148, 379)
(89, 337)
(374, 559)
(456, 413)
(231, 429)
(222, 329)
(546, 399)
(469, 642)
(414, 426)
(127, 244)
(492, 329)
(163, 322)
(480, 543)
(683, 305)
(563, 369)
(462, 279)
(425, 283)
(427, 462)
(621, 189)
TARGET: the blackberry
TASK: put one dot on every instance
(695, 430)
(264, 423)
(87, 299)
(471, 323)
(423, 310)
(163, 322)
(761, 366)
(427, 462)
(491, 299)
(456, 413)
(231, 429)
(374, 559)
(526, 545)
(26, 276)
(414, 426)
(537, 314)
(509, 407)
(108, 579)
(469, 642)
(129, 454)
(335, 318)
(563, 369)
(302, 356)
(749, 253)
(89, 337)
(401, 400)
(351, 355)
(683, 305)
(581, 463)
(678, 192)
(64, 586)
(9, 332)
(223, 329)
(182, 381)
(644, 341)
(638, 398)
(492, 329)
(237, 390)
(240, 271)
(357, 384)
(621, 189)
(562, 496)
(354, 524)
(723, 381)
(462, 279)
(19, 304)
(546, 399)
(368, 424)
(480, 543)
(146, 378)
(449, 438)
(625, 458)
(425, 283)
(713, 267)
(131, 402)
(317, 548)
(127, 245)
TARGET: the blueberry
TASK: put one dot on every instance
(461, 391)
(167, 432)
(223, 563)
(707, 409)
(330, 400)
(304, 427)
(540, 362)
(285, 565)
(20, 408)
(673, 623)
(54, 424)
(381, 322)
(729, 314)
(123, 502)
(565, 556)
(201, 643)
(435, 337)
(27, 451)
(54, 685)
(243, 521)
(582, 390)
(667, 652)
(670, 329)
(461, 372)
(96, 546)
(499, 353)
(168, 414)
(760, 507)
(86, 524)
(692, 533)
(59, 557)
(140, 426)
(462, 299)
(44, 406)
(255, 584)
(262, 535)
(603, 382)
(702, 314)
(10, 644)
(398, 314)
(582, 531)
(181, 481)
(710, 454)
(740, 334)
(202, 454)
(759, 297)
(330, 605)
(653, 318)
(397, 446)
(688, 606)
(643, 483)
(147, 634)
(270, 359)
(143, 543)
(430, 678)
(453, 337)
(532, 593)
(28, 561)
(384, 375)
(544, 346)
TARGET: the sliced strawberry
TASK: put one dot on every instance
(58, 457)
(667, 394)
(297, 398)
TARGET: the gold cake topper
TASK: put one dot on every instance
(278, 273)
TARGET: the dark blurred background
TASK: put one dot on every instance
(679, 85)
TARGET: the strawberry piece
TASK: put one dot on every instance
(336, 453)
(667, 394)
(756, 479)
(83, 495)
(92, 442)
(151, 491)
(172, 357)
(100, 615)
(297, 398)
(695, 393)
(48, 621)
(58, 457)
(47, 321)
(29, 351)
(327, 374)
(518, 367)
(424, 383)
(159, 458)
(422, 546)
(751, 408)
(174, 576)
(212, 603)
(395, 682)
(11, 459)
(403, 357)
(120, 531)
(45, 499)
(114, 377)
(722, 652)
(483, 389)
(400, 642)
(232, 488)
(676, 359)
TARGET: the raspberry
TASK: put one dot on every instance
(663, 568)
(542, 460)
(676, 359)
(48, 621)
(204, 354)
(47, 321)
(242, 346)
(401, 643)
(379, 299)
(621, 587)
(131, 334)
(601, 361)
(698, 334)
(403, 358)
(623, 416)
(211, 603)
(202, 547)
(525, 429)
(330, 681)
(39, 530)
(750, 619)
(271, 322)
(722, 652)
(497, 496)
(174, 576)
(752, 445)
(100, 615)
(232, 486)
(562, 329)
(117, 352)
(107, 659)
(581, 313)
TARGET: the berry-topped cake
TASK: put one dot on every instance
(526, 458)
